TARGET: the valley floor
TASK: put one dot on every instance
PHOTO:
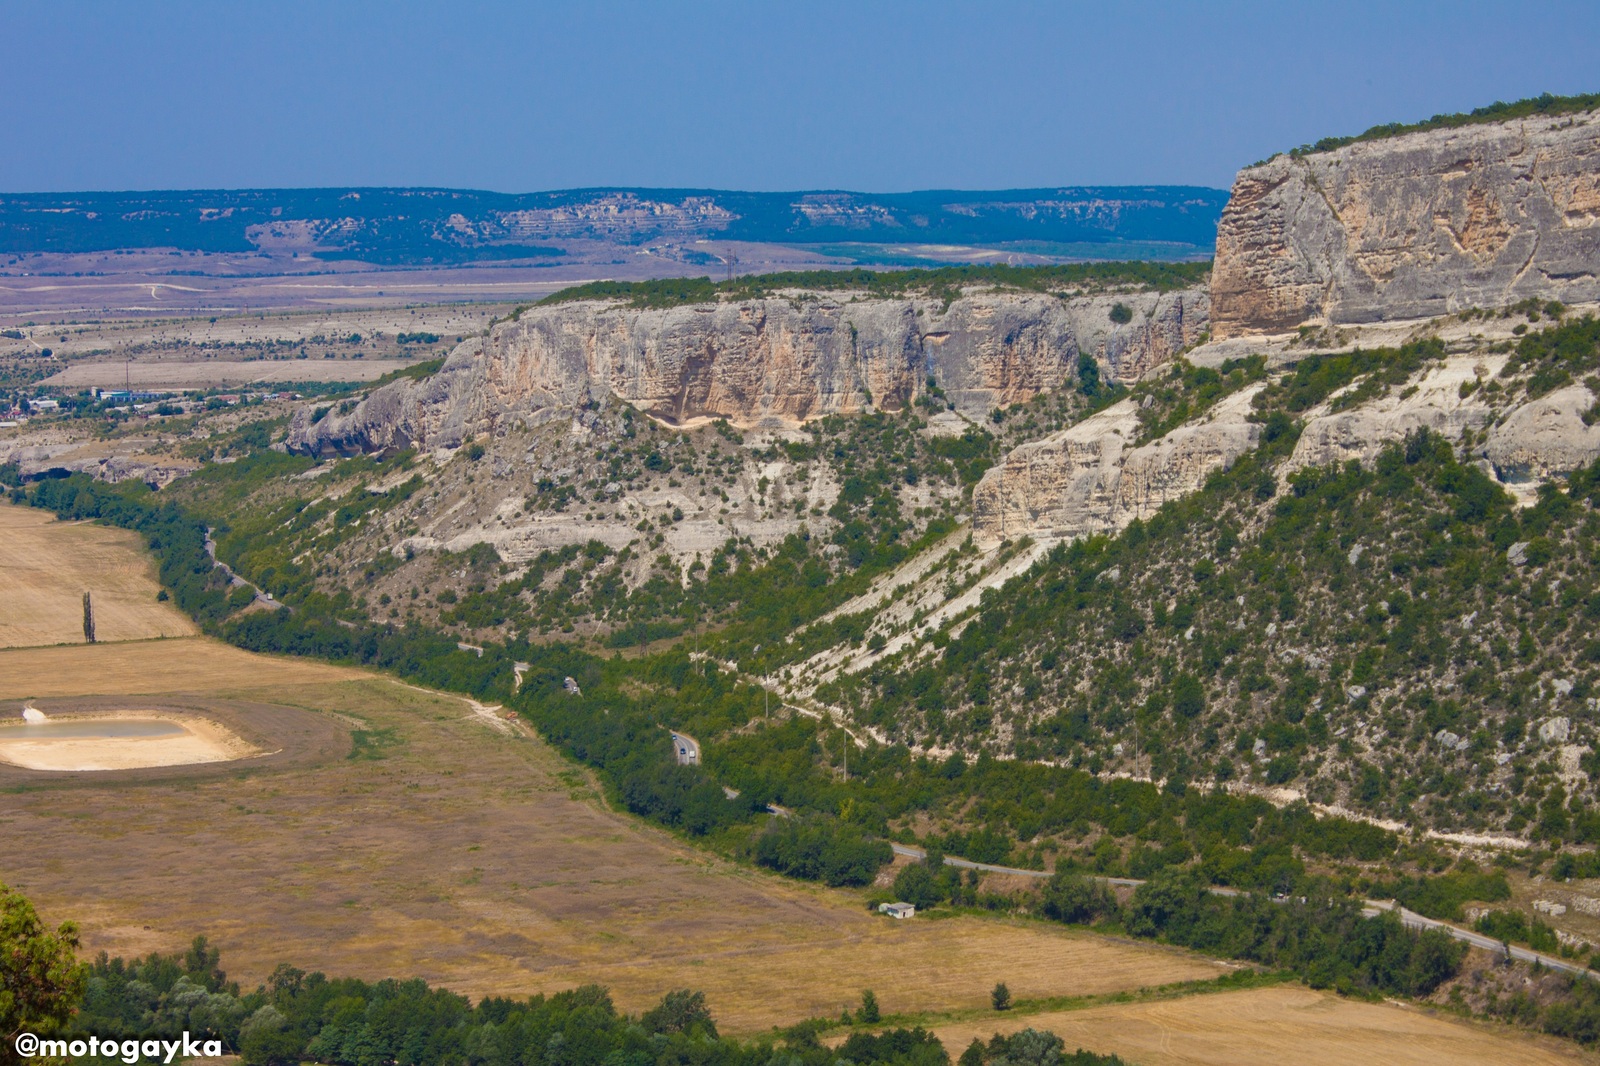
(442, 848)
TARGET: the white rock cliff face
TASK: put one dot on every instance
(1433, 402)
(772, 361)
(1544, 437)
(1089, 478)
(1413, 226)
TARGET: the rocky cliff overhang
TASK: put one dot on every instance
(1412, 226)
(773, 361)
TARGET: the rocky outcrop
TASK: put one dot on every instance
(1544, 437)
(769, 361)
(1533, 441)
(1433, 401)
(57, 460)
(1412, 226)
(1090, 478)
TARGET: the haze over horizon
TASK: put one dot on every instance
(876, 97)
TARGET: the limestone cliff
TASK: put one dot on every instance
(1434, 402)
(1545, 436)
(1090, 478)
(1413, 226)
(767, 361)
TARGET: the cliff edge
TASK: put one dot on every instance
(769, 361)
(1412, 226)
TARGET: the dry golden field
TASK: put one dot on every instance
(47, 567)
(188, 664)
(1285, 1025)
(481, 860)
(397, 833)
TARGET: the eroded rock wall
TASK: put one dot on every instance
(1412, 226)
(1092, 478)
(775, 361)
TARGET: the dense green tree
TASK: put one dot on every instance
(1000, 997)
(41, 980)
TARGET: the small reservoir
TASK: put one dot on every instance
(119, 740)
(91, 729)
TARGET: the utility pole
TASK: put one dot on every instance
(88, 619)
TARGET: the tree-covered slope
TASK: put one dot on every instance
(1397, 637)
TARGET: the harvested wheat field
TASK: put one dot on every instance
(190, 664)
(49, 565)
(445, 849)
(213, 373)
(1286, 1025)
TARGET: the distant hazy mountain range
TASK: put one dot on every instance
(420, 226)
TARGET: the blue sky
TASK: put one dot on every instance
(864, 95)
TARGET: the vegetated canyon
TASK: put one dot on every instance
(1316, 522)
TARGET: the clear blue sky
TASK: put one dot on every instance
(864, 95)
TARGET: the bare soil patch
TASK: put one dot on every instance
(48, 565)
(1276, 1026)
(235, 735)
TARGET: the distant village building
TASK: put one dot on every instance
(897, 910)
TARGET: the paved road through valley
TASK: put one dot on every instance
(1371, 908)
(686, 749)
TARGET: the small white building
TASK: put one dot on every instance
(897, 910)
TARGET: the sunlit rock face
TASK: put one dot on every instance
(1412, 226)
(773, 361)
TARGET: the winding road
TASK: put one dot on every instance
(1370, 907)
(235, 581)
(686, 749)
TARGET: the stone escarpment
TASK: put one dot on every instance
(1550, 435)
(1434, 401)
(1089, 478)
(105, 461)
(1092, 477)
(1412, 226)
(774, 361)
